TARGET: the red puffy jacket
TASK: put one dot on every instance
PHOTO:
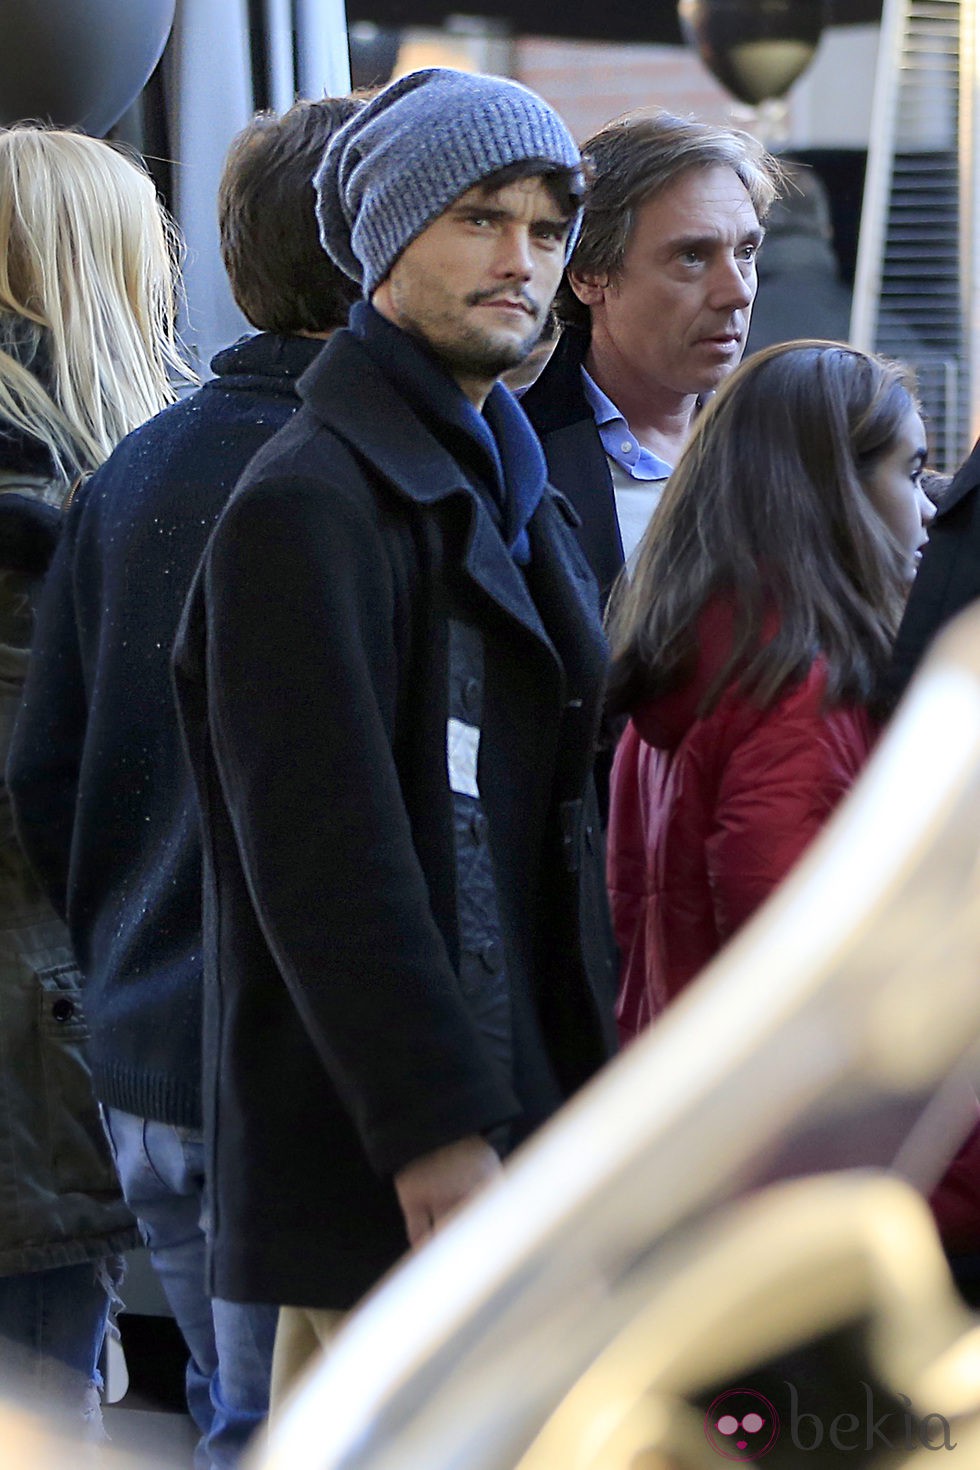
(708, 815)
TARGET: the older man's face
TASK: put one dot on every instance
(676, 318)
(477, 283)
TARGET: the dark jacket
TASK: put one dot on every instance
(61, 1203)
(947, 580)
(577, 465)
(394, 964)
(104, 802)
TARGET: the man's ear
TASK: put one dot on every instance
(590, 290)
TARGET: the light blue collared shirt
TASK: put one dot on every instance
(618, 440)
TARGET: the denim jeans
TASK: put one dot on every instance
(52, 1326)
(230, 1344)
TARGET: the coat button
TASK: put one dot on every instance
(492, 955)
(63, 1010)
(478, 826)
(471, 696)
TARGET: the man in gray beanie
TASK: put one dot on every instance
(390, 673)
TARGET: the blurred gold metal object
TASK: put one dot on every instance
(763, 1278)
(813, 1043)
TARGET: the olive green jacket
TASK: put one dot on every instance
(59, 1195)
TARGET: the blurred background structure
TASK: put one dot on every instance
(847, 87)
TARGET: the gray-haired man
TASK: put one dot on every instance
(390, 674)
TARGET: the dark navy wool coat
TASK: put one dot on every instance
(392, 963)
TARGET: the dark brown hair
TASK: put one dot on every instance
(281, 277)
(565, 185)
(767, 510)
(634, 158)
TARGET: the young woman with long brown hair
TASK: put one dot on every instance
(748, 644)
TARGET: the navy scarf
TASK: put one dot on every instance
(497, 450)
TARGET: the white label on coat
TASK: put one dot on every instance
(462, 753)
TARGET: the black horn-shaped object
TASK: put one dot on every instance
(79, 63)
(756, 48)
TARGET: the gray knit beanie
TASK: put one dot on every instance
(415, 148)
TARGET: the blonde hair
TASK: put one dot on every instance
(88, 285)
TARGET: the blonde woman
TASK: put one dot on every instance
(87, 352)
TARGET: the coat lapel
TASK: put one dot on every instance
(577, 465)
(567, 597)
(491, 566)
(560, 412)
(377, 424)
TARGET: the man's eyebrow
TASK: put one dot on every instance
(495, 211)
(476, 206)
(707, 239)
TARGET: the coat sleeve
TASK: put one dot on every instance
(302, 603)
(779, 784)
(46, 750)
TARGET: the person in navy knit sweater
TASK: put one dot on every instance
(104, 801)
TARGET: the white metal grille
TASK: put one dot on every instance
(914, 278)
